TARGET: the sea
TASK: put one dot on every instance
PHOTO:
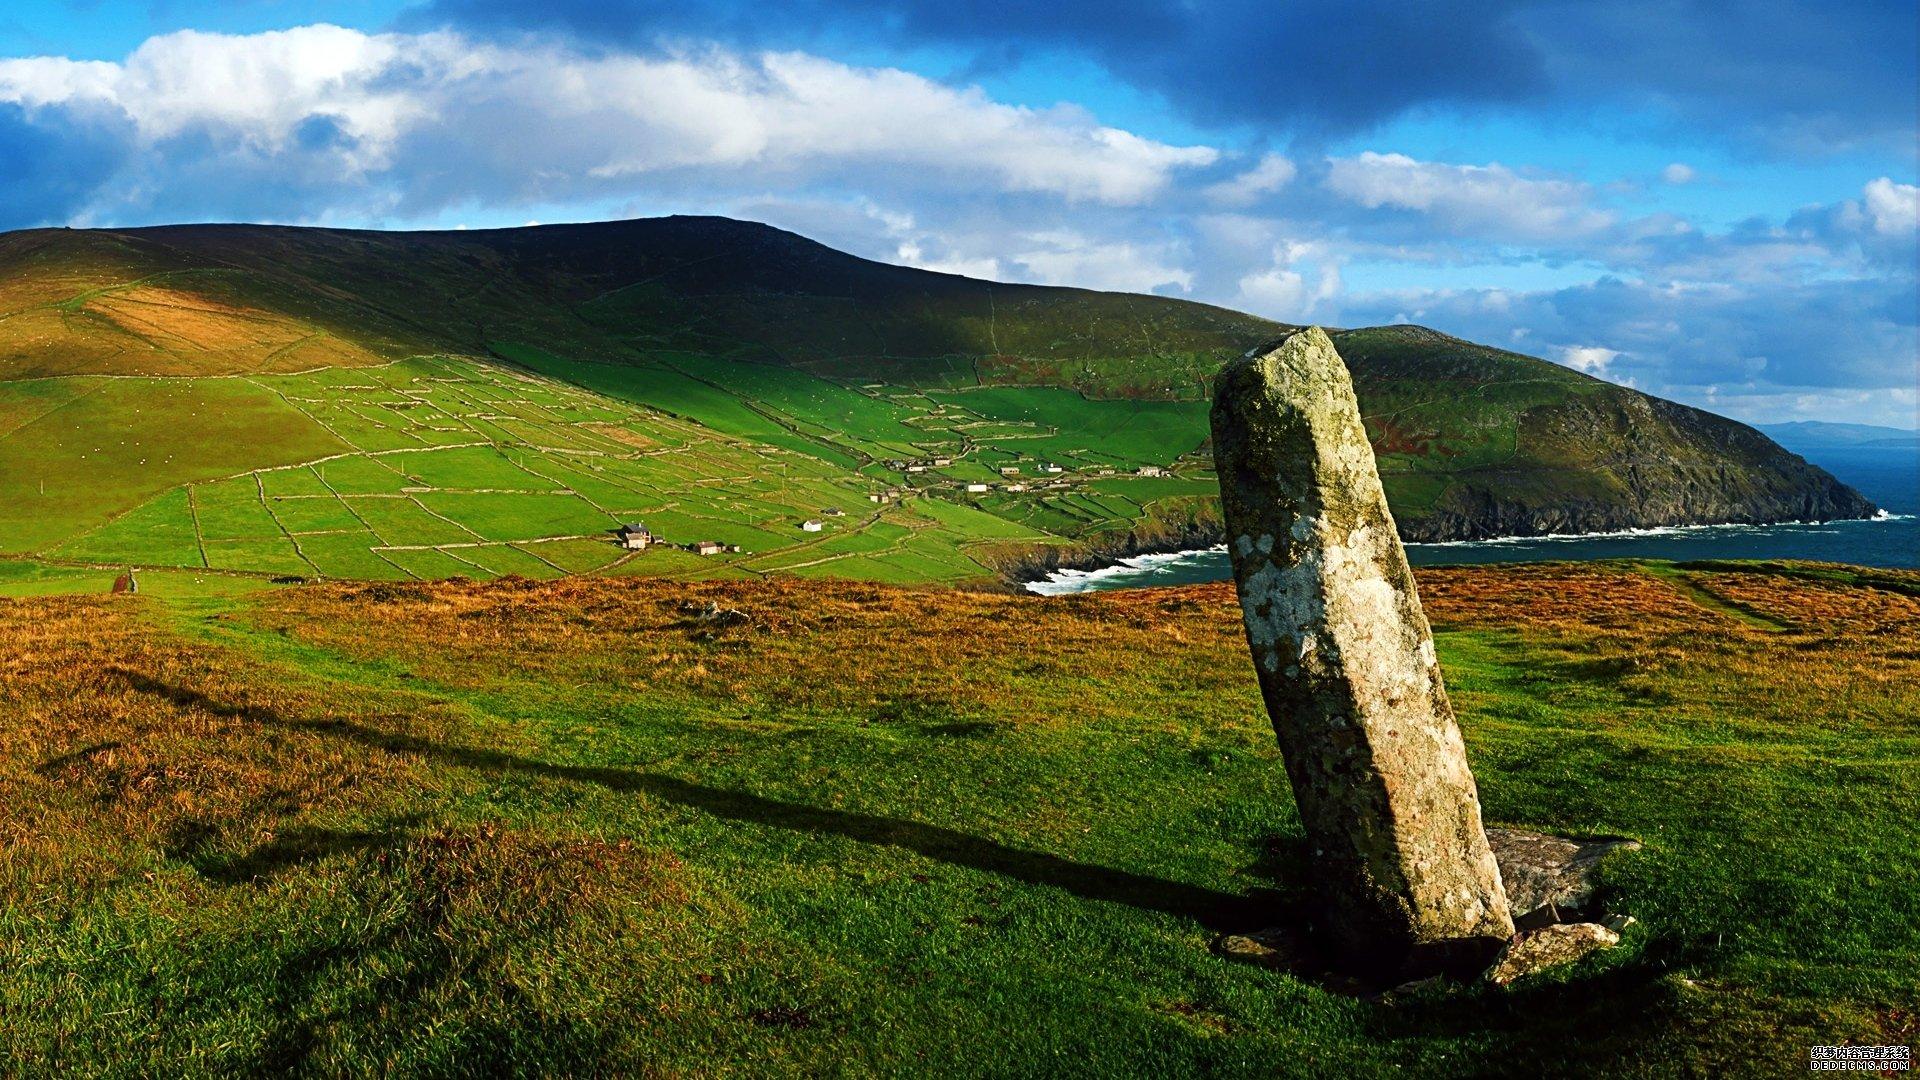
(1888, 476)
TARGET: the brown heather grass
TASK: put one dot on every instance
(1827, 608)
(831, 644)
(104, 730)
(203, 335)
(1561, 598)
(808, 645)
(99, 317)
(123, 741)
(596, 826)
(1756, 650)
(194, 814)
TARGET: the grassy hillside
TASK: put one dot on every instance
(576, 375)
(804, 828)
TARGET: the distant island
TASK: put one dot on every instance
(371, 405)
(1803, 435)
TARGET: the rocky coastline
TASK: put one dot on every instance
(1197, 525)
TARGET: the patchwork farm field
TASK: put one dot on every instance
(435, 467)
(314, 403)
(773, 828)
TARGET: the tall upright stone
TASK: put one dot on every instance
(1346, 666)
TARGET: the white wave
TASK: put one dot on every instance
(1063, 582)
(1664, 530)
(1144, 567)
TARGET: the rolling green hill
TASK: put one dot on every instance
(347, 404)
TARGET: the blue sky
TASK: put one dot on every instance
(1713, 202)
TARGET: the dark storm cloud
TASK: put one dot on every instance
(1789, 75)
(1786, 75)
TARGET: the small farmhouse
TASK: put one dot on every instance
(634, 536)
(812, 525)
(1050, 467)
(708, 547)
(942, 462)
(1009, 470)
(1016, 487)
(1152, 470)
(833, 511)
(976, 487)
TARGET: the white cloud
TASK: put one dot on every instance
(863, 227)
(985, 268)
(787, 109)
(1489, 200)
(1893, 208)
(1679, 173)
(1269, 175)
(1062, 257)
(258, 90)
(509, 120)
(1591, 359)
(1302, 281)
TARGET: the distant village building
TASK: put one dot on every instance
(635, 537)
(1103, 472)
(708, 547)
(942, 462)
(878, 497)
(976, 487)
(1152, 470)
(1050, 467)
(1009, 470)
(1016, 487)
(812, 525)
(833, 511)
(916, 468)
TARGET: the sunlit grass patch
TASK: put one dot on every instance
(800, 827)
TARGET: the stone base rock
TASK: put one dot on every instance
(1547, 947)
(1549, 879)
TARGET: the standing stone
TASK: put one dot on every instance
(1347, 669)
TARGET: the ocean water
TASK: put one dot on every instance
(1891, 478)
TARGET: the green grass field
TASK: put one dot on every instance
(574, 828)
(438, 466)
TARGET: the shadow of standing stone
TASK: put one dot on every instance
(1347, 670)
